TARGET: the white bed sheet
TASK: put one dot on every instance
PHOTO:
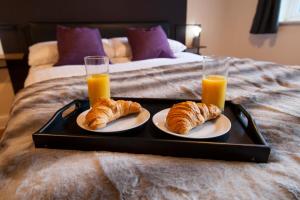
(46, 72)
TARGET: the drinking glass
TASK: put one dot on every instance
(214, 80)
(97, 76)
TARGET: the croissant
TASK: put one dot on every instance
(184, 116)
(106, 110)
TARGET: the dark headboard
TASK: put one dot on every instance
(120, 12)
(46, 31)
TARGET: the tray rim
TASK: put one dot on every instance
(157, 99)
(263, 145)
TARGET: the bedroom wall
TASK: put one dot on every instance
(6, 92)
(209, 14)
(7, 96)
(226, 26)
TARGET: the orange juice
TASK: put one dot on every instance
(98, 86)
(214, 90)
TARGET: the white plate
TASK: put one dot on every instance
(210, 129)
(119, 125)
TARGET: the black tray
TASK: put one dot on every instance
(243, 142)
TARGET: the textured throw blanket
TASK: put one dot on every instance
(269, 91)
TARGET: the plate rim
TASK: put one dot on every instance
(186, 136)
(112, 132)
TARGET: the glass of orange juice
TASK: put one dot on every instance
(214, 80)
(97, 76)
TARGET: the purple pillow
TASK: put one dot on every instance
(76, 43)
(149, 43)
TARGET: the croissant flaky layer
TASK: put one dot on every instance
(184, 116)
(106, 110)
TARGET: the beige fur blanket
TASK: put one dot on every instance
(269, 91)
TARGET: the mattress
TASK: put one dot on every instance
(47, 72)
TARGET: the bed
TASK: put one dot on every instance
(269, 91)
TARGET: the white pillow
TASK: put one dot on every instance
(108, 48)
(46, 53)
(123, 49)
(176, 46)
(43, 53)
(120, 60)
